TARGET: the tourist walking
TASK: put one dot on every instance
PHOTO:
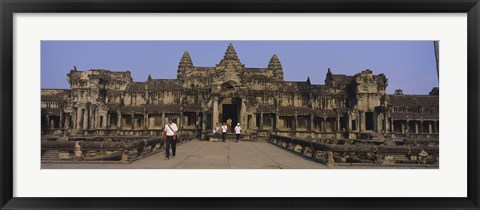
(216, 132)
(224, 132)
(238, 131)
(170, 136)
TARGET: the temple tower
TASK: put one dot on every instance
(185, 65)
(276, 66)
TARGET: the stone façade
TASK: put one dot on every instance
(103, 102)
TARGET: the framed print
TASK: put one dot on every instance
(239, 105)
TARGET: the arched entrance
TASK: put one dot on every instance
(230, 108)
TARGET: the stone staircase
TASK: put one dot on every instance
(50, 155)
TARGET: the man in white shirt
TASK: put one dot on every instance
(170, 136)
(224, 132)
(238, 130)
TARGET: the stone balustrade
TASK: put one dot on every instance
(411, 152)
(123, 149)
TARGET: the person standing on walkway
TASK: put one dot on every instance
(229, 124)
(224, 132)
(238, 131)
(170, 136)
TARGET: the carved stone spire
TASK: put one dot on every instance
(184, 65)
(230, 54)
(231, 57)
(276, 66)
(308, 80)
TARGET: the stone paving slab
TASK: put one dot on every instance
(211, 155)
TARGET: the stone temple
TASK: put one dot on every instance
(102, 102)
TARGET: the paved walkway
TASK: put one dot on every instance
(211, 155)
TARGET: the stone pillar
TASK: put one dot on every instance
(89, 125)
(84, 117)
(181, 119)
(119, 119)
(74, 119)
(361, 124)
(132, 116)
(261, 121)
(243, 113)
(403, 127)
(197, 119)
(146, 123)
(295, 123)
(215, 111)
(204, 124)
(108, 121)
(430, 127)
(48, 120)
(392, 125)
(310, 128)
(277, 120)
(163, 120)
(61, 124)
(338, 124)
(323, 124)
(416, 126)
(421, 127)
(408, 126)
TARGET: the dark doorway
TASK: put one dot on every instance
(369, 124)
(230, 111)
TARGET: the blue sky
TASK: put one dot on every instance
(409, 65)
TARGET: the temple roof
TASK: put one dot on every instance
(54, 94)
(136, 87)
(325, 113)
(164, 84)
(415, 116)
(413, 100)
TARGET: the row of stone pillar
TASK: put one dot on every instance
(405, 126)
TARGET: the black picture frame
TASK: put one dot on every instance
(9, 7)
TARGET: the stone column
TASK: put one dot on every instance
(295, 122)
(323, 124)
(277, 120)
(261, 121)
(430, 127)
(61, 124)
(84, 118)
(163, 119)
(416, 126)
(421, 127)
(48, 120)
(215, 111)
(403, 127)
(132, 116)
(181, 119)
(89, 125)
(408, 126)
(197, 119)
(392, 125)
(74, 118)
(108, 120)
(338, 124)
(243, 113)
(310, 128)
(360, 121)
(119, 119)
(254, 121)
(204, 122)
(146, 123)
